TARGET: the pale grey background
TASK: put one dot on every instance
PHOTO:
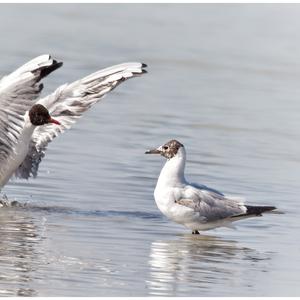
(225, 81)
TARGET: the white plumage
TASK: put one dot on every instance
(22, 145)
(197, 207)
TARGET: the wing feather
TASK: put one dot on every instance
(68, 103)
(18, 92)
(210, 205)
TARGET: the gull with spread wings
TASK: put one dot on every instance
(28, 124)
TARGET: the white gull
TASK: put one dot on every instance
(197, 207)
(26, 126)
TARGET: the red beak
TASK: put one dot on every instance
(51, 120)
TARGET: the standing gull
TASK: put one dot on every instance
(197, 207)
(28, 124)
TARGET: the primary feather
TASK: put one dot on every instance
(68, 103)
(18, 92)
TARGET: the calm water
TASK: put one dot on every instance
(225, 81)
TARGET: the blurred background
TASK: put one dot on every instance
(223, 80)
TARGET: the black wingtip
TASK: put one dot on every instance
(40, 87)
(143, 70)
(258, 210)
(45, 71)
(57, 63)
(255, 211)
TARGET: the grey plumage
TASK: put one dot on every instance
(68, 103)
(210, 205)
(195, 206)
(18, 92)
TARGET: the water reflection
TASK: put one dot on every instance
(18, 255)
(197, 262)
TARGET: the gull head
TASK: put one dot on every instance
(39, 115)
(168, 150)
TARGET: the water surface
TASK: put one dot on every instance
(224, 80)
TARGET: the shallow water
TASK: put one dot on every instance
(224, 80)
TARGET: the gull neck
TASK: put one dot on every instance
(172, 174)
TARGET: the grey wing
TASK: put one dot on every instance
(206, 188)
(211, 206)
(18, 92)
(68, 103)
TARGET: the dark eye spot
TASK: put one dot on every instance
(165, 147)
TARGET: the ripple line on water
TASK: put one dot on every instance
(6, 203)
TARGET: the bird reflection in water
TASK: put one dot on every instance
(18, 255)
(198, 263)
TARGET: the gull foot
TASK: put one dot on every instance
(195, 232)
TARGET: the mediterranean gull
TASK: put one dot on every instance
(197, 207)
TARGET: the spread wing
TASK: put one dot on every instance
(18, 92)
(210, 205)
(68, 103)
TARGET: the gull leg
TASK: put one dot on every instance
(195, 232)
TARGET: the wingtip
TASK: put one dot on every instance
(45, 71)
(258, 210)
(270, 208)
(57, 63)
(143, 70)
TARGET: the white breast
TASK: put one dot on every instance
(19, 153)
